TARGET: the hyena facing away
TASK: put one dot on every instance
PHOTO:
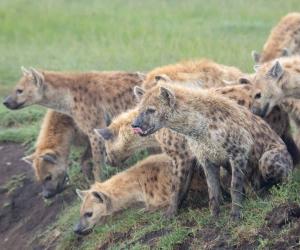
(219, 132)
(50, 159)
(284, 40)
(86, 97)
(149, 182)
(275, 81)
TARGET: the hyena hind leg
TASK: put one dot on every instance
(239, 168)
(275, 166)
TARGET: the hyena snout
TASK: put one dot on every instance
(80, 229)
(50, 189)
(262, 112)
(10, 103)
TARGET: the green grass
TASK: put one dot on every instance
(133, 35)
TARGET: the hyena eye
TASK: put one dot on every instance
(150, 110)
(48, 178)
(88, 214)
(19, 91)
(257, 96)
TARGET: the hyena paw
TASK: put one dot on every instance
(170, 213)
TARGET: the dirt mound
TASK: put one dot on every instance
(23, 212)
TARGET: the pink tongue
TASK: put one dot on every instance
(137, 130)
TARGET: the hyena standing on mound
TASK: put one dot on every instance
(149, 181)
(275, 81)
(284, 40)
(121, 142)
(218, 132)
(86, 97)
(50, 158)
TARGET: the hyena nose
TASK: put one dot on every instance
(6, 101)
(77, 228)
(135, 124)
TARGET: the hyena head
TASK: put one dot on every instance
(154, 110)
(95, 207)
(50, 171)
(120, 141)
(28, 91)
(267, 92)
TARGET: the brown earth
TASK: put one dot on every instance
(23, 212)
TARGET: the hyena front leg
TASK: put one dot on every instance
(212, 174)
(239, 168)
(275, 165)
(86, 164)
(180, 170)
(98, 152)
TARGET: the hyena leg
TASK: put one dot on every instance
(275, 165)
(86, 164)
(212, 174)
(188, 174)
(239, 167)
(98, 151)
(179, 169)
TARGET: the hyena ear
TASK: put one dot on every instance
(102, 198)
(162, 77)
(256, 67)
(138, 92)
(244, 80)
(285, 52)
(276, 71)
(25, 71)
(51, 158)
(29, 158)
(168, 96)
(255, 55)
(107, 119)
(104, 133)
(141, 75)
(81, 194)
(37, 77)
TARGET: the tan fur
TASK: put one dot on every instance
(148, 182)
(285, 35)
(57, 134)
(206, 72)
(218, 132)
(275, 81)
(86, 97)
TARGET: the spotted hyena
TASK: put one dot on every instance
(205, 72)
(86, 97)
(52, 149)
(275, 81)
(219, 132)
(284, 40)
(149, 182)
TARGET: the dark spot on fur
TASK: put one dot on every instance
(241, 102)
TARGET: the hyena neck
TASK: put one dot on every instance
(190, 124)
(291, 89)
(123, 192)
(58, 99)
